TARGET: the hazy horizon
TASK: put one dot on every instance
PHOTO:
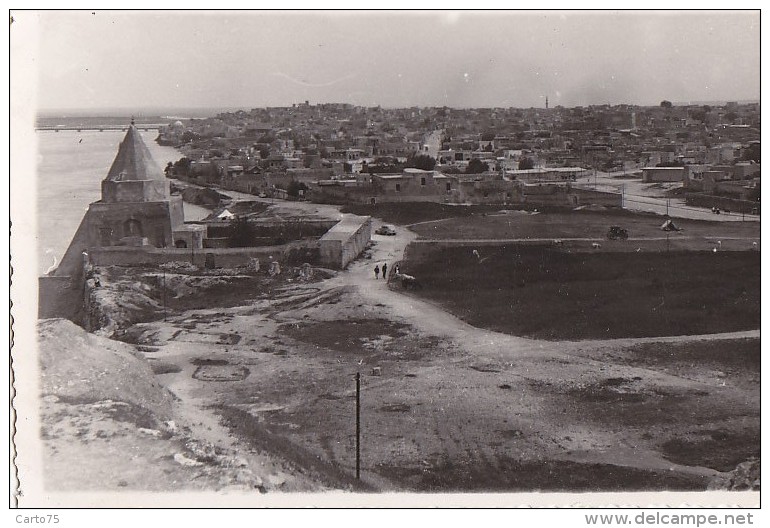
(209, 110)
(241, 60)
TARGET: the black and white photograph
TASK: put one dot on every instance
(342, 258)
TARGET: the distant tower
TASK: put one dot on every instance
(546, 102)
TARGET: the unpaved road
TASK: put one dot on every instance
(651, 197)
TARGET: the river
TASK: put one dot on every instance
(70, 168)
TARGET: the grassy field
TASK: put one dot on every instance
(413, 212)
(585, 224)
(553, 294)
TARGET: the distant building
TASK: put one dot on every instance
(663, 174)
(549, 174)
(415, 182)
(136, 209)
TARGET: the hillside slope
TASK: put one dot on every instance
(108, 425)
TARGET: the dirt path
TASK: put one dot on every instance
(651, 197)
(425, 316)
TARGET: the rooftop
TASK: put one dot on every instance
(345, 227)
(134, 161)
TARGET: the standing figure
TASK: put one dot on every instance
(385, 271)
(376, 272)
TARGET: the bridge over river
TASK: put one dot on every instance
(100, 128)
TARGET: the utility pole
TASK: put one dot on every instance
(358, 425)
(164, 294)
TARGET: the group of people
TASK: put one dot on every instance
(384, 271)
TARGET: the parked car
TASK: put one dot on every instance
(617, 233)
(386, 230)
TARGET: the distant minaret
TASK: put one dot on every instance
(546, 102)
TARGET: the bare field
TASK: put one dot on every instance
(448, 412)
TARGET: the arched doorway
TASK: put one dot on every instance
(133, 227)
(180, 244)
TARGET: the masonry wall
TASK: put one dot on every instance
(109, 222)
(356, 244)
(560, 196)
(488, 192)
(331, 252)
(62, 295)
(135, 191)
(365, 195)
(730, 204)
(223, 257)
(406, 198)
(588, 196)
(342, 245)
(481, 192)
(59, 296)
(71, 264)
(663, 174)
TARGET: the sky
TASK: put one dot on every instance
(113, 59)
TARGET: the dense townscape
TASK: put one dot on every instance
(343, 153)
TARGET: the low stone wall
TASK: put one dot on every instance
(589, 196)
(222, 257)
(345, 241)
(420, 249)
(63, 296)
(479, 193)
(730, 204)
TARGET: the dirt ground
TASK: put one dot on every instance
(262, 394)
(450, 407)
(109, 425)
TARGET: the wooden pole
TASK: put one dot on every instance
(164, 294)
(358, 425)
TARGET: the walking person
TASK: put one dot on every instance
(385, 271)
(376, 272)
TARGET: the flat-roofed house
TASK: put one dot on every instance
(663, 174)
